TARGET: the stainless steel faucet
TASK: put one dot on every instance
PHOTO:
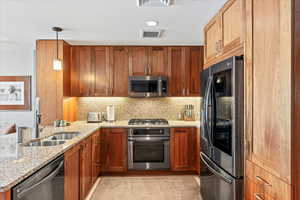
(38, 119)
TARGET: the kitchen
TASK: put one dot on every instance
(153, 118)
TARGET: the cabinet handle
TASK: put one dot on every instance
(183, 92)
(149, 70)
(146, 70)
(258, 197)
(263, 181)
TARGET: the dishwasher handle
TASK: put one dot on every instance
(46, 179)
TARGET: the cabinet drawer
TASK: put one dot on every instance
(265, 185)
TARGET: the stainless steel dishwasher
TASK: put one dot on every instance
(46, 184)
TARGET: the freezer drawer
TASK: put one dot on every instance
(216, 184)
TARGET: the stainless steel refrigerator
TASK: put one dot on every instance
(222, 133)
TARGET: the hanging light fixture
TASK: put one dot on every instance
(57, 64)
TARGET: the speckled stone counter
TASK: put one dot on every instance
(28, 160)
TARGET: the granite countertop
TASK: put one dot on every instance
(28, 160)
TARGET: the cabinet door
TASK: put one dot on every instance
(72, 174)
(81, 71)
(193, 69)
(86, 167)
(232, 20)
(177, 65)
(96, 159)
(138, 61)
(114, 151)
(212, 34)
(269, 87)
(183, 146)
(100, 60)
(120, 71)
(158, 61)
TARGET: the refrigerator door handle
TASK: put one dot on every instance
(214, 170)
(206, 109)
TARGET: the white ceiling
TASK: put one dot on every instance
(104, 21)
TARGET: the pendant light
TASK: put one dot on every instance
(57, 64)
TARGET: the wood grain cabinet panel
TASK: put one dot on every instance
(158, 61)
(114, 150)
(100, 64)
(232, 25)
(177, 65)
(5, 195)
(86, 167)
(269, 87)
(119, 71)
(96, 158)
(82, 71)
(72, 173)
(194, 68)
(138, 61)
(183, 149)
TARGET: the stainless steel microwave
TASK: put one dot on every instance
(148, 86)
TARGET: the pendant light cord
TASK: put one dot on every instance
(57, 45)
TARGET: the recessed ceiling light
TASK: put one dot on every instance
(151, 23)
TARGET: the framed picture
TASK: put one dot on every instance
(15, 92)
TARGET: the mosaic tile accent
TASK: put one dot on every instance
(128, 108)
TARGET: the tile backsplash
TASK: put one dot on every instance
(128, 108)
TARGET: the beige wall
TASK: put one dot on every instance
(128, 108)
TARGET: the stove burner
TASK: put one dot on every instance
(148, 122)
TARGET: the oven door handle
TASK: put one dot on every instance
(207, 123)
(44, 180)
(156, 139)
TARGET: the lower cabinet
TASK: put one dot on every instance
(80, 173)
(96, 158)
(114, 150)
(261, 185)
(183, 149)
(86, 167)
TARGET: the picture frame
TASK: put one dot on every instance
(15, 93)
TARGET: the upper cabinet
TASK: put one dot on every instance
(185, 64)
(119, 71)
(100, 65)
(224, 34)
(148, 61)
(158, 61)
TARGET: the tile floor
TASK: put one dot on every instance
(147, 188)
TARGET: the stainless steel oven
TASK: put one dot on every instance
(149, 148)
(148, 86)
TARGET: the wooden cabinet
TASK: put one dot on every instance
(72, 173)
(213, 39)
(148, 61)
(262, 184)
(269, 102)
(82, 163)
(177, 65)
(81, 71)
(119, 71)
(185, 64)
(183, 149)
(138, 61)
(86, 167)
(114, 150)
(224, 34)
(96, 158)
(52, 86)
(158, 61)
(193, 71)
(101, 73)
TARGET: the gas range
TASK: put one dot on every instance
(148, 122)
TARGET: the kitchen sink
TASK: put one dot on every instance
(44, 143)
(63, 136)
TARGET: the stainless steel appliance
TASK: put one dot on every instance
(46, 184)
(148, 148)
(222, 131)
(94, 117)
(148, 86)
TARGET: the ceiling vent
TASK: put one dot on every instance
(154, 3)
(151, 33)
